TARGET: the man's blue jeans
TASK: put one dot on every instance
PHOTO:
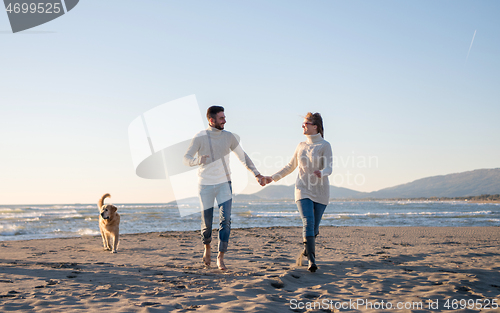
(223, 194)
(311, 213)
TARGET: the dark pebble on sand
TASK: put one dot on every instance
(311, 295)
(192, 307)
(463, 289)
(277, 284)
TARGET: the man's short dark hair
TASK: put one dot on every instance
(213, 110)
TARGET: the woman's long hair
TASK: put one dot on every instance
(316, 119)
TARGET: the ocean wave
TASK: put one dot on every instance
(75, 206)
(407, 202)
(31, 216)
(271, 203)
(68, 216)
(31, 219)
(244, 213)
(20, 215)
(349, 215)
(87, 232)
(11, 210)
(12, 230)
(146, 206)
(274, 214)
(187, 206)
(446, 213)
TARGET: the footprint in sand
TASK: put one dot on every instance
(277, 284)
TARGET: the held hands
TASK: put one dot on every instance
(268, 179)
(264, 180)
(261, 179)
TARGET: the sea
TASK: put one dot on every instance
(25, 222)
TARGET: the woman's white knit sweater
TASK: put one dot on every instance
(314, 154)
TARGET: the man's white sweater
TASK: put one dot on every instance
(217, 144)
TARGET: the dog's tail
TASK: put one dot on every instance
(101, 201)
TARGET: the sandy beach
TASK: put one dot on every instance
(416, 269)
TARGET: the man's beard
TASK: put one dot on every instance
(218, 126)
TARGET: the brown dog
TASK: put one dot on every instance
(109, 224)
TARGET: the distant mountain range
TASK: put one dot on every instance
(471, 183)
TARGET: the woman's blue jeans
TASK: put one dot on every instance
(311, 213)
(223, 194)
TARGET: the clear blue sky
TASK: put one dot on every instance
(391, 79)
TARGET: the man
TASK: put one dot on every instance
(212, 147)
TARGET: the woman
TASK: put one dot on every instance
(312, 188)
